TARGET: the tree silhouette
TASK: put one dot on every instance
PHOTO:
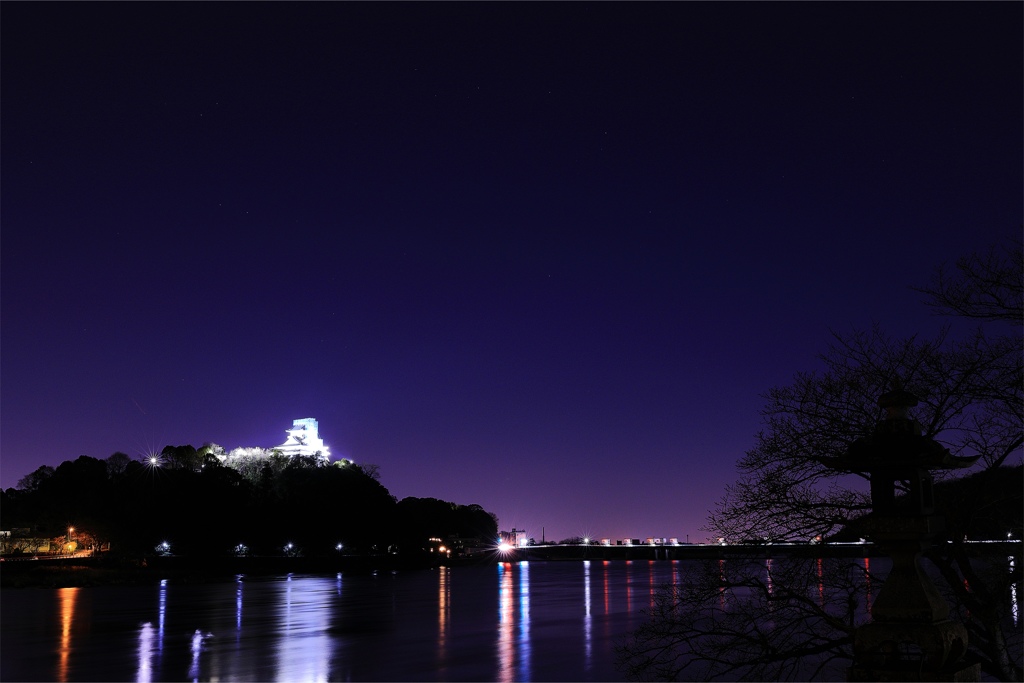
(201, 506)
(748, 622)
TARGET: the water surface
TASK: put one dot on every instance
(514, 621)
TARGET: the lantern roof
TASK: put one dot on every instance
(898, 443)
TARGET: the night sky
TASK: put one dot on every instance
(544, 258)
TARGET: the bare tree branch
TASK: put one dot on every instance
(984, 286)
(768, 624)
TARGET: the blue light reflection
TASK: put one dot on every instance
(524, 621)
(588, 641)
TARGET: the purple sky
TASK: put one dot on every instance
(543, 258)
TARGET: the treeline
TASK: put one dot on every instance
(985, 505)
(198, 505)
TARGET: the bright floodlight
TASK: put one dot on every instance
(153, 460)
(504, 547)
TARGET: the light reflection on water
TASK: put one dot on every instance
(145, 672)
(303, 642)
(629, 585)
(651, 584)
(524, 621)
(197, 647)
(151, 641)
(443, 596)
(551, 620)
(506, 624)
(67, 597)
(238, 602)
(867, 584)
(588, 620)
(1013, 590)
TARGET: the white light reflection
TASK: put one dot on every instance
(304, 645)
(1013, 593)
(238, 605)
(197, 647)
(587, 618)
(148, 649)
(162, 615)
(506, 617)
(524, 621)
(145, 672)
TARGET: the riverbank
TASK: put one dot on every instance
(120, 570)
(112, 569)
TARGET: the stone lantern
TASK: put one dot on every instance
(910, 637)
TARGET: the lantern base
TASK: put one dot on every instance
(906, 651)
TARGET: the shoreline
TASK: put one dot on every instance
(105, 570)
(113, 571)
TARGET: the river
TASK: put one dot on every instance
(538, 621)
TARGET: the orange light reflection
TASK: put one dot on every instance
(867, 582)
(650, 580)
(721, 584)
(67, 597)
(629, 572)
(443, 597)
(821, 585)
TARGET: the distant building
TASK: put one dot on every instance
(304, 439)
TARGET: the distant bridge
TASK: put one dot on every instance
(697, 551)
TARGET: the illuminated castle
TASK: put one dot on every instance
(304, 439)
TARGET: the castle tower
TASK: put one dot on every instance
(304, 439)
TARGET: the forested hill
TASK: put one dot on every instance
(208, 507)
(986, 505)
